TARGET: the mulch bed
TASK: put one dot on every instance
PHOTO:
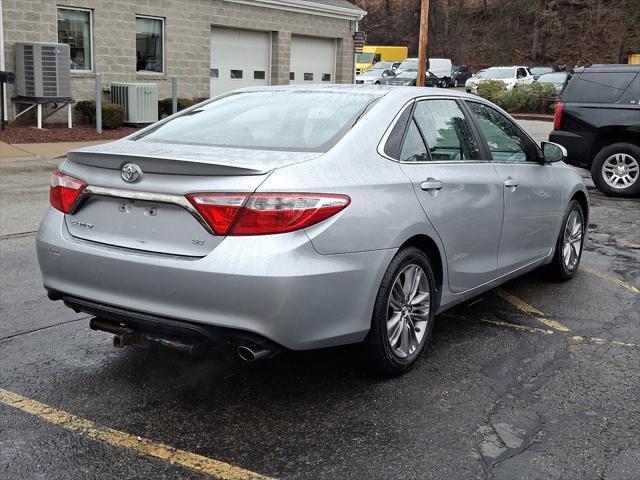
(60, 133)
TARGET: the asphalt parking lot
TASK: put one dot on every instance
(535, 380)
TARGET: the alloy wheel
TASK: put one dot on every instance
(408, 310)
(572, 241)
(620, 170)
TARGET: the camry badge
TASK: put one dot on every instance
(131, 172)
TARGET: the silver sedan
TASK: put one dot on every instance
(307, 217)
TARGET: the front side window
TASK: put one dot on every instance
(506, 141)
(284, 120)
(74, 29)
(149, 44)
(446, 131)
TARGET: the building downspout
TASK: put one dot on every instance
(4, 98)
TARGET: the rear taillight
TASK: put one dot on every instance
(64, 191)
(557, 118)
(265, 213)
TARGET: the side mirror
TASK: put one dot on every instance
(553, 152)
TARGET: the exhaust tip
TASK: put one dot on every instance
(245, 353)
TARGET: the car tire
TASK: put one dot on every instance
(455, 83)
(377, 83)
(394, 352)
(605, 163)
(566, 259)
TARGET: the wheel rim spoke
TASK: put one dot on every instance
(408, 310)
(572, 241)
(620, 170)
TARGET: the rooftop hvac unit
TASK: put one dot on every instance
(43, 71)
(140, 101)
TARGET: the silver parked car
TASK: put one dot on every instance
(306, 217)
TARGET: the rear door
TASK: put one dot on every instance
(531, 189)
(460, 193)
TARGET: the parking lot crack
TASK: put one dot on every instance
(26, 332)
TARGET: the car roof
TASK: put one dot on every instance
(375, 90)
(609, 68)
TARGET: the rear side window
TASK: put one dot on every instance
(413, 148)
(597, 87)
(394, 142)
(446, 131)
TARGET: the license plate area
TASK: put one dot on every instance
(141, 225)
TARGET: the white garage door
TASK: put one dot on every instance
(239, 58)
(313, 60)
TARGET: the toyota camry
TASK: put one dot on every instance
(304, 217)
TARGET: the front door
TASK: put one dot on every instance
(532, 193)
(460, 194)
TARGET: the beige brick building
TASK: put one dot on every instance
(211, 46)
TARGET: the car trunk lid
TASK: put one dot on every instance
(152, 213)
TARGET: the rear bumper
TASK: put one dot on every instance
(578, 146)
(276, 286)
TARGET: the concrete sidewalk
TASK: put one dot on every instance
(41, 150)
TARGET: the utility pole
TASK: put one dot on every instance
(422, 42)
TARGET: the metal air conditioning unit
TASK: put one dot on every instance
(140, 101)
(43, 71)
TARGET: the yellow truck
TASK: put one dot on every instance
(371, 55)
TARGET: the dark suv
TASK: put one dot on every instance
(598, 121)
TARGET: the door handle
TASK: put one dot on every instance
(431, 184)
(511, 184)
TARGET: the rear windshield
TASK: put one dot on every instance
(597, 87)
(291, 120)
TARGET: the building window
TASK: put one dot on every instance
(292, 75)
(75, 29)
(214, 73)
(326, 77)
(258, 75)
(149, 44)
(308, 77)
(236, 74)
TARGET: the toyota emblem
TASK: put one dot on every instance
(131, 172)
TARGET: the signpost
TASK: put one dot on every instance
(359, 39)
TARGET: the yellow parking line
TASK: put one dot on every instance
(602, 341)
(530, 310)
(611, 279)
(517, 327)
(117, 438)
